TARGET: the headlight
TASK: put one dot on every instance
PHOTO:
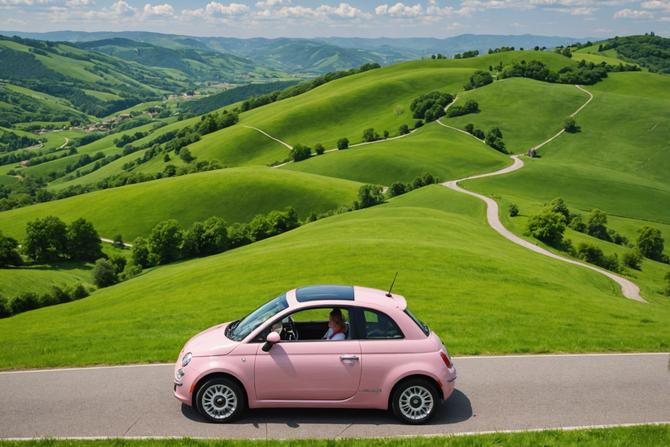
(186, 359)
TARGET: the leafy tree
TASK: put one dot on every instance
(479, 79)
(259, 228)
(140, 252)
(386, 134)
(480, 134)
(594, 255)
(404, 129)
(495, 139)
(469, 128)
(651, 244)
(397, 189)
(632, 259)
(185, 155)
(215, 236)
(46, 239)
(343, 143)
(5, 307)
(118, 242)
(300, 152)
(319, 149)
(571, 126)
(83, 241)
(369, 195)
(282, 221)
(9, 254)
(513, 210)
(238, 234)
(431, 105)
(596, 225)
(25, 302)
(418, 124)
(558, 205)
(119, 262)
(370, 135)
(165, 241)
(548, 227)
(470, 106)
(104, 273)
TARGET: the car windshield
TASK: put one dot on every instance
(240, 329)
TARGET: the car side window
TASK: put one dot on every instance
(379, 326)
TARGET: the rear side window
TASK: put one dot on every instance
(424, 328)
(379, 326)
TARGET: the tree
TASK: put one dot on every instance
(596, 225)
(548, 227)
(495, 139)
(370, 135)
(165, 241)
(46, 239)
(259, 228)
(104, 273)
(118, 242)
(513, 210)
(558, 205)
(397, 189)
(300, 152)
(83, 241)
(404, 129)
(479, 79)
(5, 307)
(193, 240)
(386, 134)
(140, 252)
(215, 237)
(319, 149)
(632, 259)
(469, 128)
(9, 254)
(119, 262)
(651, 244)
(185, 154)
(281, 221)
(594, 255)
(571, 126)
(369, 195)
(343, 143)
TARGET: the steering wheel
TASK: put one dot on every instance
(291, 330)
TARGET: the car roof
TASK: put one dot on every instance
(331, 295)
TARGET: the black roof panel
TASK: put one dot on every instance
(316, 293)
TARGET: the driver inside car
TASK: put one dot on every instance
(337, 328)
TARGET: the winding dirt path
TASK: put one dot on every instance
(628, 288)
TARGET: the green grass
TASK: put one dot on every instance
(480, 293)
(443, 152)
(235, 194)
(643, 435)
(527, 111)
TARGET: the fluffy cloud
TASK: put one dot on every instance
(661, 5)
(399, 10)
(633, 14)
(79, 3)
(22, 2)
(341, 11)
(164, 10)
(272, 3)
(215, 10)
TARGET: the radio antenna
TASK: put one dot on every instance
(388, 294)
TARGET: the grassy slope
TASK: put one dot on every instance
(443, 152)
(453, 269)
(526, 111)
(621, 169)
(235, 194)
(649, 435)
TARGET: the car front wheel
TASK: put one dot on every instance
(415, 401)
(220, 400)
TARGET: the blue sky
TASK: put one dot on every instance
(323, 18)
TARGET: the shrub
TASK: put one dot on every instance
(386, 134)
(370, 135)
(300, 152)
(577, 223)
(596, 225)
(319, 149)
(104, 273)
(118, 242)
(479, 79)
(5, 307)
(632, 259)
(495, 139)
(9, 254)
(238, 234)
(594, 255)
(431, 105)
(78, 292)
(343, 143)
(570, 125)
(369, 195)
(131, 271)
(513, 210)
(559, 206)
(470, 106)
(403, 129)
(480, 134)
(46, 239)
(185, 155)
(418, 124)
(119, 262)
(548, 227)
(83, 241)
(140, 252)
(24, 303)
(397, 189)
(650, 243)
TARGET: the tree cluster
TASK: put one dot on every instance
(430, 106)
(479, 79)
(467, 54)
(470, 106)
(49, 239)
(472, 130)
(29, 301)
(399, 188)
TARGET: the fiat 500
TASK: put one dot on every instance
(318, 346)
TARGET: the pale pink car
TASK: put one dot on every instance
(277, 356)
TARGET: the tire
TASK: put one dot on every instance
(415, 401)
(220, 400)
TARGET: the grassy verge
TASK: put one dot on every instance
(644, 435)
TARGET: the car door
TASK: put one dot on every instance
(308, 370)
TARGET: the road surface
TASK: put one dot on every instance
(493, 393)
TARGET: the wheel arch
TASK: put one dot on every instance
(404, 379)
(214, 375)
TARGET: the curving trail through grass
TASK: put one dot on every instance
(628, 288)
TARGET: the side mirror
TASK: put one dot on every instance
(271, 340)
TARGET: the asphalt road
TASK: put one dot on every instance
(493, 393)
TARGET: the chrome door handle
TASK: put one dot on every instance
(349, 357)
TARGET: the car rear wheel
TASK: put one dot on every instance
(220, 400)
(415, 401)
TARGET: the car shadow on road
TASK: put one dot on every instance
(456, 409)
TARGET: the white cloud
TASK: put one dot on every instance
(23, 2)
(341, 11)
(79, 3)
(660, 5)
(633, 14)
(272, 3)
(399, 10)
(214, 11)
(158, 11)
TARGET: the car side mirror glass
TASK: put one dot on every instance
(271, 340)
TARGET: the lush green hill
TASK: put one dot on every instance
(234, 194)
(649, 50)
(527, 111)
(443, 152)
(475, 289)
